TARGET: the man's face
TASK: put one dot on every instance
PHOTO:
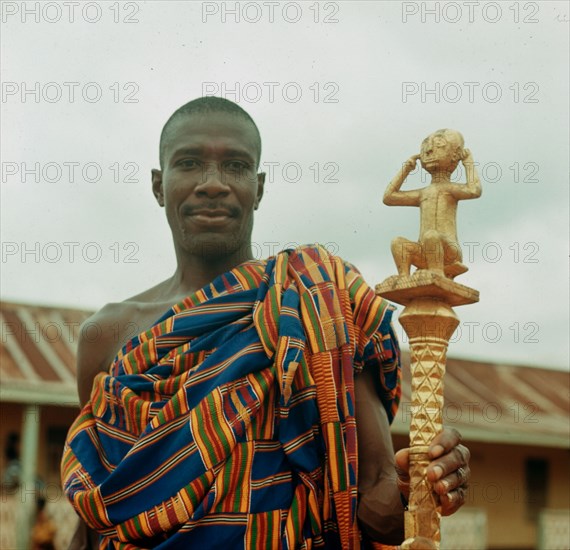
(209, 184)
(438, 154)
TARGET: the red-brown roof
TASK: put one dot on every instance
(37, 353)
(498, 402)
(486, 402)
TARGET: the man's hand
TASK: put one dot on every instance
(448, 470)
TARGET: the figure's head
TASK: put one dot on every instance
(208, 182)
(441, 151)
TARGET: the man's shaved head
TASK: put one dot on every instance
(204, 105)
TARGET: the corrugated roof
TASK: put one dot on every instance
(37, 353)
(486, 402)
(498, 402)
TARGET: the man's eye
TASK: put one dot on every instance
(236, 166)
(187, 163)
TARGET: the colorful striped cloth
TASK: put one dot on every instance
(230, 423)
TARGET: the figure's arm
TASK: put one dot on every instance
(471, 189)
(393, 196)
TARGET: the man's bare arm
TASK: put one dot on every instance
(380, 510)
(471, 189)
(383, 476)
(95, 353)
(393, 196)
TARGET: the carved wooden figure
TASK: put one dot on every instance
(428, 317)
(437, 248)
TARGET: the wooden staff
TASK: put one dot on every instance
(428, 318)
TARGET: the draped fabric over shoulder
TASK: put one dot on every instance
(230, 423)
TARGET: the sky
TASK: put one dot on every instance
(343, 93)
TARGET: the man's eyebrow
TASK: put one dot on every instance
(238, 153)
(188, 151)
(228, 153)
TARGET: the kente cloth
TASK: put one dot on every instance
(230, 423)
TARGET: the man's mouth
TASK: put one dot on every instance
(208, 216)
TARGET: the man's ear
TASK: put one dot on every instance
(157, 186)
(260, 188)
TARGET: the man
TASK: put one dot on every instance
(252, 410)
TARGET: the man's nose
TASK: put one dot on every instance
(212, 181)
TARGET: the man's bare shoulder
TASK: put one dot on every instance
(140, 310)
(108, 320)
(105, 332)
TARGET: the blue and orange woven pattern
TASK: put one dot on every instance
(230, 424)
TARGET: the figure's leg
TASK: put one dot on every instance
(452, 252)
(405, 254)
(452, 259)
(432, 251)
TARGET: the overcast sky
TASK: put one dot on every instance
(343, 93)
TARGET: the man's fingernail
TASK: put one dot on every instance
(437, 450)
(445, 484)
(438, 471)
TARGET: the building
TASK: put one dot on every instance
(514, 419)
(38, 402)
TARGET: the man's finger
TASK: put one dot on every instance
(451, 502)
(443, 442)
(448, 463)
(458, 479)
(402, 458)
